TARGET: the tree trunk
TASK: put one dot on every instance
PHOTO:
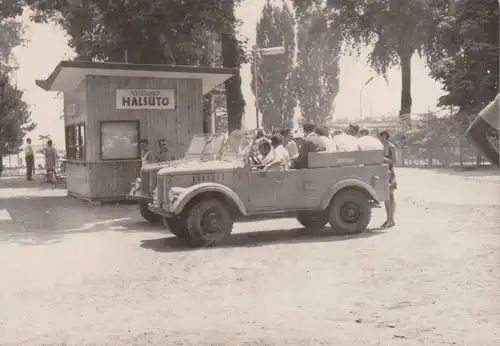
(231, 58)
(406, 101)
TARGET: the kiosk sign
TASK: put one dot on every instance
(141, 99)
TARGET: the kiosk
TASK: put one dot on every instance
(110, 107)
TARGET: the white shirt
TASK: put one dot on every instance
(329, 145)
(292, 148)
(282, 155)
(369, 143)
(28, 150)
(345, 142)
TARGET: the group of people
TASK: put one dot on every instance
(51, 157)
(284, 149)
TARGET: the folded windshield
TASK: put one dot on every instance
(239, 143)
(206, 144)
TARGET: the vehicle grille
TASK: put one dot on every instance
(159, 190)
(145, 183)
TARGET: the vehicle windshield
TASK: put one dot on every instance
(239, 144)
(206, 144)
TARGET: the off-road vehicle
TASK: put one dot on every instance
(200, 201)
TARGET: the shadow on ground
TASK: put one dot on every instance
(49, 219)
(259, 238)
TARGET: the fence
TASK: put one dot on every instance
(15, 165)
(450, 156)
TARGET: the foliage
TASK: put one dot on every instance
(396, 30)
(318, 68)
(15, 117)
(467, 61)
(154, 32)
(276, 74)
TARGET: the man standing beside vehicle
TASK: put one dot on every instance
(389, 158)
(29, 159)
(146, 154)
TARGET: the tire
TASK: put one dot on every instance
(312, 220)
(147, 214)
(176, 226)
(350, 212)
(208, 222)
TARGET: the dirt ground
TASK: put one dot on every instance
(72, 274)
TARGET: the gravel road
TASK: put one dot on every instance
(72, 274)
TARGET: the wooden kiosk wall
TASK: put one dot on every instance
(93, 178)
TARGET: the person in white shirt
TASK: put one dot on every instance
(347, 141)
(267, 155)
(30, 159)
(146, 154)
(289, 143)
(367, 142)
(281, 154)
(322, 132)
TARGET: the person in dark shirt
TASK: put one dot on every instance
(311, 143)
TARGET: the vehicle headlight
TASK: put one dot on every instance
(137, 183)
(173, 194)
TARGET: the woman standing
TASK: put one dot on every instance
(389, 158)
(50, 160)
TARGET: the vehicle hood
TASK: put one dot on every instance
(199, 167)
(155, 167)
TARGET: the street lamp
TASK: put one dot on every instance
(262, 51)
(361, 96)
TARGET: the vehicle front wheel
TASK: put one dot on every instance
(176, 226)
(208, 222)
(350, 212)
(313, 220)
(147, 214)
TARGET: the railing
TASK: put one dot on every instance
(452, 156)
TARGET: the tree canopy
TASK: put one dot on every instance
(15, 117)
(276, 74)
(467, 61)
(154, 32)
(318, 67)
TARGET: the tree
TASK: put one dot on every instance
(155, 32)
(318, 68)
(15, 120)
(15, 117)
(467, 61)
(396, 29)
(275, 74)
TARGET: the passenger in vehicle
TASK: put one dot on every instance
(298, 138)
(289, 143)
(311, 143)
(281, 154)
(322, 132)
(367, 142)
(268, 156)
(389, 158)
(347, 141)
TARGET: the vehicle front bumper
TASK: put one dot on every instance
(160, 211)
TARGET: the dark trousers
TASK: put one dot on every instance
(30, 166)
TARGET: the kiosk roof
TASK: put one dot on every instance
(68, 74)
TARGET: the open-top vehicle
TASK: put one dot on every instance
(201, 201)
(203, 148)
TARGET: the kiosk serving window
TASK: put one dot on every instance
(120, 140)
(75, 142)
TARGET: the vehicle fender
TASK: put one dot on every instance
(351, 182)
(189, 193)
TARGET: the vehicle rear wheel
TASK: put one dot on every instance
(312, 220)
(208, 222)
(147, 214)
(350, 212)
(176, 226)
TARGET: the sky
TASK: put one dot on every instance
(46, 46)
